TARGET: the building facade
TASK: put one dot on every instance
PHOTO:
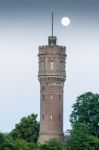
(52, 75)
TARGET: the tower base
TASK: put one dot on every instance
(50, 136)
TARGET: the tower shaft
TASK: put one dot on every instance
(52, 77)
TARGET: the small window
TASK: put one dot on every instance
(41, 63)
(43, 88)
(59, 97)
(61, 61)
(43, 117)
(59, 117)
(60, 88)
(51, 96)
(43, 96)
(51, 117)
(52, 65)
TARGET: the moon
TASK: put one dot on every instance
(65, 21)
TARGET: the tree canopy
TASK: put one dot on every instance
(52, 145)
(6, 143)
(83, 135)
(27, 129)
(81, 139)
(86, 110)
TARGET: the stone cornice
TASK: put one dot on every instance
(53, 79)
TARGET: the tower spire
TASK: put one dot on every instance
(52, 39)
(52, 22)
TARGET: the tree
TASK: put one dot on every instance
(86, 110)
(52, 145)
(1, 139)
(80, 138)
(21, 145)
(27, 129)
(6, 143)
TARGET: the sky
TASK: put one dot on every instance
(24, 26)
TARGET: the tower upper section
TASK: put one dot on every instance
(52, 61)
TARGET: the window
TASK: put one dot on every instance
(51, 96)
(43, 96)
(41, 65)
(51, 117)
(59, 97)
(59, 117)
(52, 65)
(61, 61)
(42, 87)
(43, 117)
(61, 65)
(60, 88)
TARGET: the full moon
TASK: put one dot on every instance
(65, 21)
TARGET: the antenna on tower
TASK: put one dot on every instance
(52, 22)
(52, 39)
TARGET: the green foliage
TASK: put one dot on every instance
(94, 143)
(27, 129)
(85, 123)
(6, 143)
(52, 145)
(80, 139)
(21, 145)
(23, 137)
(83, 136)
(1, 138)
(86, 110)
(31, 146)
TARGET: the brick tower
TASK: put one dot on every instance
(52, 77)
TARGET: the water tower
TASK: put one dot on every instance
(51, 75)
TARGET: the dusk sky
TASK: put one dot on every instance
(24, 26)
